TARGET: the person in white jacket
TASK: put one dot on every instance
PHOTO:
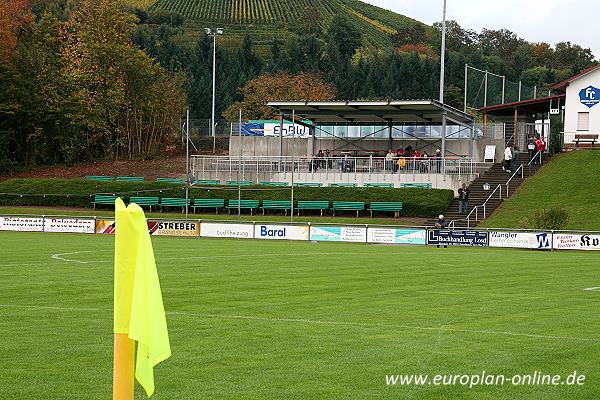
(507, 158)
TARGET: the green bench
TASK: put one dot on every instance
(242, 204)
(145, 201)
(276, 205)
(387, 206)
(357, 206)
(379, 185)
(308, 184)
(207, 182)
(239, 183)
(209, 203)
(173, 202)
(312, 205)
(103, 199)
(416, 185)
(343, 185)
(99, 178)
(178, 181)
(130, 179)
(275, 184)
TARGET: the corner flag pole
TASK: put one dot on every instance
(124, 361)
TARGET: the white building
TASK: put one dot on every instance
(582, 107)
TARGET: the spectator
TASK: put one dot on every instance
(438, 161)
(424, 162)
(540, 148)
(329, 160)
(320, 162)
(507, 158)
(401, 163)
(441, 224)
(531, 148)
(463, 199)
(515, 160)
(389, 161)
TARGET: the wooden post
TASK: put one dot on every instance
(516, 133)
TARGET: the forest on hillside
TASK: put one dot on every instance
(88, 79)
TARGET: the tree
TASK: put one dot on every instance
(280, 86)
(14, 14)
(344, 36)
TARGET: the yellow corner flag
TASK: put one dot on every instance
(139, 313)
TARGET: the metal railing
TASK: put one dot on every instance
(332, 169)
(512, 177)
(475, 209)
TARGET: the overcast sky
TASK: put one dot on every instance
(550, 21)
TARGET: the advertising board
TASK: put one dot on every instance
(576, 242)
(521, 240)
(238, 231)
(22, 224)
(174, 228)
(357, 234)
(281, 232)
(69, 225)
(396, 236)
(438, 237)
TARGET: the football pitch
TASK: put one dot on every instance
(297, 320)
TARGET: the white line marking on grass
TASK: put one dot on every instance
(591, 289)
(59, 257)
(321, 322)
(369, 325)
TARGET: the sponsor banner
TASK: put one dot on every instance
(457, 238)
(338, 234)
(396, 236)
(282, 232)
(174, 228)
(105, 226)
(296, 130)
(22, 224)
(239, 231)
(69, 225)
(521, 240)
(576, 242)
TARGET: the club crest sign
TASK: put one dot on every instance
(589, 96)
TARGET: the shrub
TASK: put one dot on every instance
(552, 219)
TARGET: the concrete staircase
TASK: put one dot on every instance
(494, 176)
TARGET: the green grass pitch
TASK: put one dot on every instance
(291, 320)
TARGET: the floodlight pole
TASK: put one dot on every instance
(214, 34)
(293, 164)
(239, 167)
(443, 55)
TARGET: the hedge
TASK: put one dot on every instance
(78, 193)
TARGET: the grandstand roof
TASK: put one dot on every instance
(562, 86)
(373, 112)
(539, 105)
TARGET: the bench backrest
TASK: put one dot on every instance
(130, 179)
(144, 200)
(240, 183)
(313, 205)
(287, 204)
(170, 180)
(348, 205)
(173, 201)
(209, 203)
(343, 185)
(99, 178)
(243, 203)
(104, 199)
(207, 182)
(308, 184)
(586, 136)
(416, 185)
(379, 185)
(386, 205)
(275, 184)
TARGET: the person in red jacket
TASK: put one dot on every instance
(540, 147)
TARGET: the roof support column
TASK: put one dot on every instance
(444, 123)
(390, 140)
(280, 142)
(516, 133)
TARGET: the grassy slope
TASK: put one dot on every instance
(290, 320)
(570, 181)
(274, 18)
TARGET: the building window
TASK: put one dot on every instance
(583, 121)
